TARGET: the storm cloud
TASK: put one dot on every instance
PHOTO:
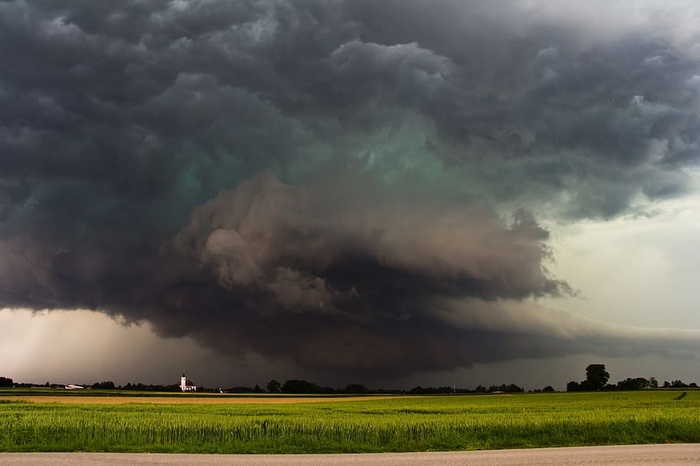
(356, 186)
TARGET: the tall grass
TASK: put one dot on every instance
(410, 424)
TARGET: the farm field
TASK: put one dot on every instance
(187, 399)
(235, 424)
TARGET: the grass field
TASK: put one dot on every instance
(232, 424)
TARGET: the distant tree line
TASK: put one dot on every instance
(296, 386)
(503, 388)
(109, 385)
(679, 384)
(146, 387)
(597, 380)
(106, 385)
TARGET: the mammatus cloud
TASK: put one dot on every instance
(341, 183)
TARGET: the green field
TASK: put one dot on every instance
(372, 425)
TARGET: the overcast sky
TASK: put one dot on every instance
(390, 192)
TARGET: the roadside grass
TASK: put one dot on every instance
(372, 425)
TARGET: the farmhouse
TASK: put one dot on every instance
(187, 385)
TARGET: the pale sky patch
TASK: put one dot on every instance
(634, 270)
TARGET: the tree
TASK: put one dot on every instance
(300, 386)
(356, 388)
(273, 386)
(240, 389)
(6, 382)
(107, 385)
(633, 384)
(596, 376)
(678, 384)
(512, 388)
(573, 386)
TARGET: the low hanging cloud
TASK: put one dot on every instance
(341, 183)
(266, 235)
(345, 284)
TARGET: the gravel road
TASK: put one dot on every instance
(667, 455)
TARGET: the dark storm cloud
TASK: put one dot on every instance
(133, 135)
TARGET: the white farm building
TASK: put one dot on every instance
(187, 385)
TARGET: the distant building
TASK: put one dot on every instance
(71, 386)
(187, 385)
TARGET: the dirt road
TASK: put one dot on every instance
(667, 455)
